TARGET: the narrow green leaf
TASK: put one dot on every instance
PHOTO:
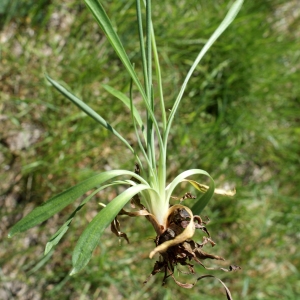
(149, 47)
(142, 44)
(236, 6)
(60, 201)
(105, 24)
(126, 101)
(88, 110)
(54, 240)
(91, 235)
(56, 237)
(159, 79)
(136, 130)
(41, 263)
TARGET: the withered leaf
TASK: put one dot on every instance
(115, 228)
(203, 255)
(157, 268)
(183, 285)
(203, 188)
(234, 268)
(187, 195)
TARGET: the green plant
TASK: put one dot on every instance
(148, 191)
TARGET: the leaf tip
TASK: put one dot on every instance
(152, 253)
(47, 248)
(13, 231)
(73, 272)
(46, 75)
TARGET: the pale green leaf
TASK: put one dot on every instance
(40, 263)
(54, 240)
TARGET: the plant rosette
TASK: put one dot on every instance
(147, 190)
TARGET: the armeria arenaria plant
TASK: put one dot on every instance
(147, 189)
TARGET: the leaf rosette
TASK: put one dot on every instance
(147, 186)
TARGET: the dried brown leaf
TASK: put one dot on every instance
(115, 228)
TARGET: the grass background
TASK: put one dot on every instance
(239, 120)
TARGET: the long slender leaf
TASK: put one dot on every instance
(236, 6)
(105, 24)
(56, 237)
(42, 261)
(91, 235)
(126, 101)
(159, 80)
(142, 44)
(60, 201)
(54, 240)
(88, 110)
(149, 47)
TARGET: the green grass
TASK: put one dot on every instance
(239, 120)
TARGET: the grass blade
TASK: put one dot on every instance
(159, 79)
(91, 235)
(224, 24)
(142, 45)
(54, 240)
(89, 111)
(60, 201)
(105, 24)
(126, 101)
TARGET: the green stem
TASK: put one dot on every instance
(150, 132)
(151, 170)
(142, 45)
(158, 78)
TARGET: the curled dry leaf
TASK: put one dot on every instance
(115, 228)
(187, 195)
(203, 188)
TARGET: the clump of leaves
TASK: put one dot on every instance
(147, 190)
